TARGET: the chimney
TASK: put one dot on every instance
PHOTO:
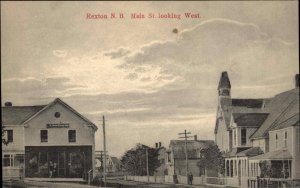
(297, 80)
(8, 104)
(195, 137)
(156, 145)
(159, 144)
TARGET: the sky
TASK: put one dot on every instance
(147, 80)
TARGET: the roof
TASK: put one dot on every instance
(115, 161)
(250, 103)
(273, 155)
(228, 110)
(235, 151)
(193, 147)
(250, 152)
(224, 81)
(292, 121)
(282, 111)
(16, 115)
(249, 119)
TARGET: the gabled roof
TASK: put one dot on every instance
(281, 108)
(20, 115)
(224, 81)
(17, 115)
(115, 161)
(193, 147)
(273, 155)
(249, 119)
(228, 110)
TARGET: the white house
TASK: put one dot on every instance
(40, 135)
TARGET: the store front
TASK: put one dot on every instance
(57, 161)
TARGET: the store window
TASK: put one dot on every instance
(72, 135)
(10, 135)
(44, 135)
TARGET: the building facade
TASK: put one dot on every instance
(176, 159)
(256, 132)
(50, 140)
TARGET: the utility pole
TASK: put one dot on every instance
(147, 164)
(185, 151)
(104, 146)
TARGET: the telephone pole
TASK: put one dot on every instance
(185, 151)
(147, 164)
(104, 146)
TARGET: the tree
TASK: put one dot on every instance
(4, 141)
(134, 160)
(211, 158)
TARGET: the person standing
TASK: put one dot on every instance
(190, 177)
(51, 168)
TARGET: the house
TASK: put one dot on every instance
(176, 159)
(113, 164)
(251, 131)
(162, 154)
(44, 134)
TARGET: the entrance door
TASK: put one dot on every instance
(61, 164)
(76, 167)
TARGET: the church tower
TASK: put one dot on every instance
(224, 90)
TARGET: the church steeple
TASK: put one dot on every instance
(224, 85)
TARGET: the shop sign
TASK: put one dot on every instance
(58, 125)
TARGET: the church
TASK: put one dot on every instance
(257, 133)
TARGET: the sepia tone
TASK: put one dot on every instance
(150, 94)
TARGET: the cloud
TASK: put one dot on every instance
(201, 53)
(60, 53)
(120, 52)
(131, 76)
(28, 88)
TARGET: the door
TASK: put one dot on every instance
(75, 165)
(61, 164)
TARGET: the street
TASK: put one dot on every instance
(125, 184)
(110, 183)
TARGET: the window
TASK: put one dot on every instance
(285, 139)
(18, 159)
(10, 136)
(276, 140)
(244, 136)
(234, 137)
(7, 160)
(72, 135)
(10, 160)
(44, 135)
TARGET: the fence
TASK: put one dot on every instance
(272, 183)
(220, 181)
(166, 179)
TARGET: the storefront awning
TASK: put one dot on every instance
(274, 155)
